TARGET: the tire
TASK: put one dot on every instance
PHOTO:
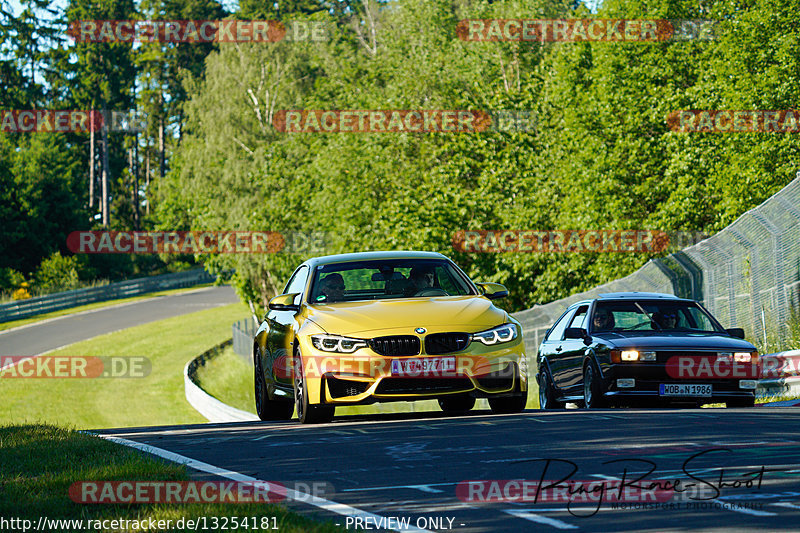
(509, 404)
(592, 392)
(268, 409)
(308, 413)
(741, 402)
(457, 403)
(547, 393)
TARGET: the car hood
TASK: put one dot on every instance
(446, 313)
(675, 341)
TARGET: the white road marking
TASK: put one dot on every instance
(787, 505)
(528, 515)
(423, 488)
(322, 503)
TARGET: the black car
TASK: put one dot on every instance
(644, 349)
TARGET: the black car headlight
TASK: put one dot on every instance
(497, 335)
(337, 343)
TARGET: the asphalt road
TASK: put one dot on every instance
(409, 466)
(42, 337)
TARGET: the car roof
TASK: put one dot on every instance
(637, 295)
(371, 256)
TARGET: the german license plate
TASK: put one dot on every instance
(684, 389)
(419, 367)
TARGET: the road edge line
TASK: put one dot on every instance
(301, 497)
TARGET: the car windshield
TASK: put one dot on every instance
(652, 315)
(387, 279)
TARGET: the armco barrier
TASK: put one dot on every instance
(243, 333)
(205, 404)
(785, 364)
(112, 291)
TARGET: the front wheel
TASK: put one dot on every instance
(265, 408)
(592, 388)
(741, 402)
(308, 413)
(547, 393)
(457, 404)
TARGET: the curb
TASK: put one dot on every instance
(202, 402)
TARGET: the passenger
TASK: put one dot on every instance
(603, 320)
(332, 286)
(666, 319)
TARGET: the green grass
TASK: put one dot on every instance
(119, 402)
(229, 379)
(38, 463)
(97, 305)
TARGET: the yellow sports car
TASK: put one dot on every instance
(386, 326)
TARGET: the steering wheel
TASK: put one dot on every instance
(428, 291)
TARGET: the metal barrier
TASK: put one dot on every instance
(747, 275)
(112, 291)
(243, 332)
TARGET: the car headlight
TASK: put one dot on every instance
(497, 335)
(337, 343)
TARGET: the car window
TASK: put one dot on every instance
(651, 315)
(557, 333)
(298, 281)
(579, 321)
(390, 278)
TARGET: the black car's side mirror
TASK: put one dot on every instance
(284, 302)
(736, 332)
(577, 333)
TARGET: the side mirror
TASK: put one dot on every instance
(284, 302)
(493, 291)
(736, 332)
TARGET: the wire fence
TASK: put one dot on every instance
(747, 275)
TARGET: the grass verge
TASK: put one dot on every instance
(97, 305)
(157, 399)
(38, 463)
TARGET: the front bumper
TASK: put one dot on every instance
(366, 377)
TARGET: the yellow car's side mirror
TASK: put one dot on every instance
(493, 291)
(284, 302)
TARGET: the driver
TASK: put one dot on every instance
(603, 320)
(421, 278)
(667, 319)
(333, 287)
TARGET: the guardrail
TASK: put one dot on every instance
(202, 402)
(112, 291)
(783, 376)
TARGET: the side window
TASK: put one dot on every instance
(557, 332)
(298, 281)
(580, 318)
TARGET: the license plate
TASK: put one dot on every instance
(684, 389)
(418, 367)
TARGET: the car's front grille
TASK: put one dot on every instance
(340, 388)
(395, 345)
(439, 343)
(422, 385)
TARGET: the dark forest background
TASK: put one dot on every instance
(208, 158)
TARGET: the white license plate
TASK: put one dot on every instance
(684, 389)
(418, 367)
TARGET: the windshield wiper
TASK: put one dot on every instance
(648, 316)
